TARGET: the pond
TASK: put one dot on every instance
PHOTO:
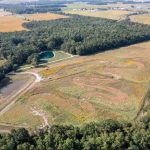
(44, 56)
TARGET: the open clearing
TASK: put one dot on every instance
(82, 89)
(14, 22)
(145, 18)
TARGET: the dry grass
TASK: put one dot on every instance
(14, 23)
(112, 14)
(145, 19)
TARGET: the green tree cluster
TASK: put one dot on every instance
(106, 135)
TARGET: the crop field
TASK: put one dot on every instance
(11, 24)
(111, 14)
(144, 19)
(90, 88)
(14, 22)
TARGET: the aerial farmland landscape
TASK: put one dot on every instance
(74, 75)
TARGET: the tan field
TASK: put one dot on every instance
(14, 23)
(145, 19)
(112, 14)
(11, 24)
(112, 84)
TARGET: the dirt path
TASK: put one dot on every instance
(12, 100)
(38, 112)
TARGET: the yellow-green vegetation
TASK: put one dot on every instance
(50, 71)
(144, 19)
(59, 55)
(90, 88)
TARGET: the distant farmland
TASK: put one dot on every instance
(14, 22)
(111, 14)
(92, 10)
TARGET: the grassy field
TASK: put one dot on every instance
(145, 19)
(14, 22)
(90, 88)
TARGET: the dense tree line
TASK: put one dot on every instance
(31, 8)
(76, 35)
(106, 135)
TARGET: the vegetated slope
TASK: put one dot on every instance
(76, 35)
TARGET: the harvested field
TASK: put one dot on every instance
(144, 19)
(111, 14)
(11, 24)
(90, 88)
(14, 22)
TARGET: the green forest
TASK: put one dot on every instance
(77, 35)
(106, 135)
